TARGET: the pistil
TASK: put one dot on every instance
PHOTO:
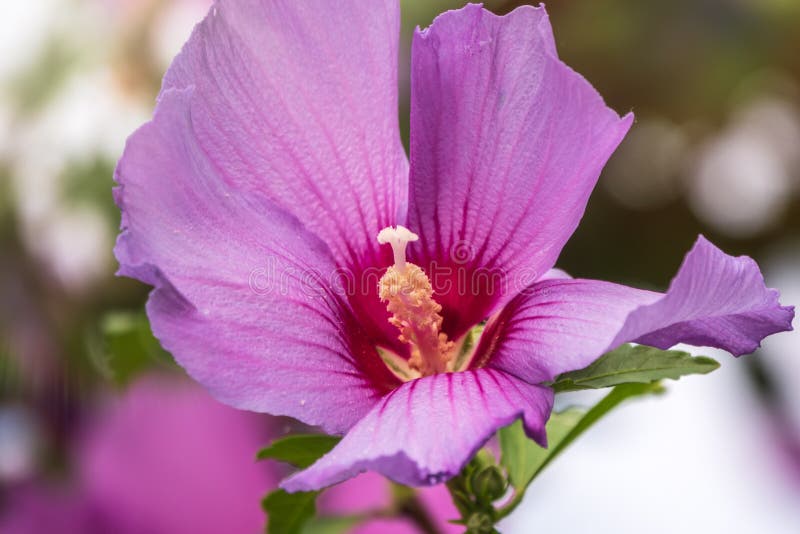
(408, 295)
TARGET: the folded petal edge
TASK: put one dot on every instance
(424, 432)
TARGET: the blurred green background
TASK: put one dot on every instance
(714, 84)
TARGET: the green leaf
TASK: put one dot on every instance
(634, 364)
(524, 459)
(332, 524)
(128, 347)
(287, 513)
(299, 450)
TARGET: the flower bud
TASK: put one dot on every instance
(488, 484)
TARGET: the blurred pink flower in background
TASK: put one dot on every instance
(166, 458)
(371, 493)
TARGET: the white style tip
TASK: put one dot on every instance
(398, 237)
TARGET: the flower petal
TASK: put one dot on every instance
(242, 297)
(166, 457)
(560, 325)
(716, 300)
(426, 430)
(507, 143)
(297, 102)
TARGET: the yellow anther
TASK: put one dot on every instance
(408, 295)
